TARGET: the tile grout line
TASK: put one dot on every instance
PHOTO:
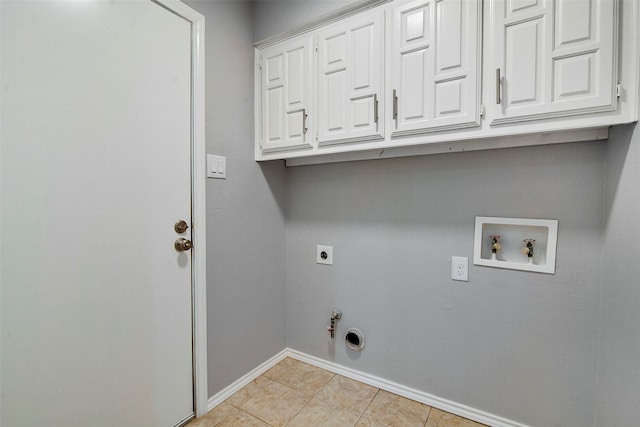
(315, 396)
(245, 412)
(312, 397)
(258, 418)
(426, 420)
(360, 415)
(239, 408)
(303, 406)
(428, 415)
(296, 414)
(243, 403)
(370, 402)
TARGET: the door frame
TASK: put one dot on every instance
(198, 204)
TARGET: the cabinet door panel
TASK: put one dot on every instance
(525, 73)
(449, 98)
(350, 79)
(274, 67)
(296, 77)
(557, 58)
(514, 6)
(573, 22)
(335, 52)
(574, 76)
(286, 95)
(362, 112)
(435, 65)
(335, 110)
(295, 128)
(449, 25)
(415, 26)
(362, 40)
(413, 100)
(274, 115)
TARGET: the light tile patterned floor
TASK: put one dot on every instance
(295, 394)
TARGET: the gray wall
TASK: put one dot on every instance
(557, 350)
(245, 221)
(619, 374)
(517, 344)
(275, 16)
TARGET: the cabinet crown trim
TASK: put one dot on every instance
(328, 18)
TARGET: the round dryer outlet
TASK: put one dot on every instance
(354, 339)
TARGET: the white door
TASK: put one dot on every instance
(286, 87)
(435, 65)
(95, 157)
(350, 86)
(554, 58)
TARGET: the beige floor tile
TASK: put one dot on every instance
(392, 410)
(281, 369)
(248, 391)
(299, 375)
(438, 418)
(348, 394)
(284, 394)
(238, 418)
(197, 423)
(297, 364)
(277, 404)
(213, 417)
(363, 422)
(318, 413)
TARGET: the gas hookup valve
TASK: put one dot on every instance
(335, 316)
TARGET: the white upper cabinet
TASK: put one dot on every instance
(286, 107)
(350, 79)
(554, 58)
(435, 65)
(388, 78)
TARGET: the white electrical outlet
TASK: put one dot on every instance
(460, 268)
(324, 254)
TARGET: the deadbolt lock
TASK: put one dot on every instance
(180, 226)
(183, 244)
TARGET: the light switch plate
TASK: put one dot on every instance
(216, 166)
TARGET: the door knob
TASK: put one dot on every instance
(183, 244)
(180, 226)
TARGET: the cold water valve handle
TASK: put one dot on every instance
(335, 316)
(528, 249)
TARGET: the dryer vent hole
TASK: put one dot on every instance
(354, 339)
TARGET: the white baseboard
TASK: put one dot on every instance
(417, 395)
(381, 383)
(225, 393)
